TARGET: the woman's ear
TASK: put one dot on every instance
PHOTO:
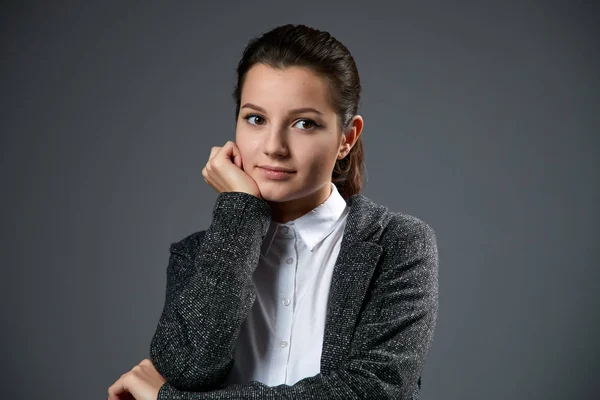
(351, 136)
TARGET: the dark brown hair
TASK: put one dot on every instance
(299, 45)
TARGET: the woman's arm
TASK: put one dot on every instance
(392, 338)
(194, 342)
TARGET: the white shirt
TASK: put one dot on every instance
(281, 340)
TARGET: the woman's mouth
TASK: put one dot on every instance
(277, 175)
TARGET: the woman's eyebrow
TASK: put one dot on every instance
(294, 111)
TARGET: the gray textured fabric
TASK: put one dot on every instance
(381, 312)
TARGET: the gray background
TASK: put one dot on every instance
(482, 119)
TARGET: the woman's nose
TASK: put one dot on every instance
(276, 142)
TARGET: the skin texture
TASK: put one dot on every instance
(277, 136)
(224, 173)
(142, 382)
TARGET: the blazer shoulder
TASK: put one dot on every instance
(410, 247)
(406, 228)
(189, 245)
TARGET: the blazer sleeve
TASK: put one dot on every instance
(392, 338)
(209, 294)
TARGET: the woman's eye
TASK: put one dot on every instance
(305, 124)
(249, 118)
(311, 124)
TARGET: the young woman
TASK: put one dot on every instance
(301, 287)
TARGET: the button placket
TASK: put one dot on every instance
(285, 312)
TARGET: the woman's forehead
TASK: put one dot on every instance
(292, 87)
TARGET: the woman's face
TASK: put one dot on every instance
(272, 129)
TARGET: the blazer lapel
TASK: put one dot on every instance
(352, 273)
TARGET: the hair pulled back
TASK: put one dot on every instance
(299, 45)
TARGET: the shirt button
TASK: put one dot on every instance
(285, 229)
(286, 301)
(289, 260)
(283, 344)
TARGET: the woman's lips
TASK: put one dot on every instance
(277, 175)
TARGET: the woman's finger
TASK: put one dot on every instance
(224, 172)
(118, 391)
(227, 150)
(237, 156)
(226, 154)
(213, 152)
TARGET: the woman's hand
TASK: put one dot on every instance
(225, 175)
(141, 383)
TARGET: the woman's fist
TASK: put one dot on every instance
(143, 382)
(225, 175)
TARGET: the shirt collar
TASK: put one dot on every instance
(314, 226)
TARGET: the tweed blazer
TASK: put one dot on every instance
(381, 311)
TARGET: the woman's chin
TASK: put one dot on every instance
(274, 194)
(273, 198)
